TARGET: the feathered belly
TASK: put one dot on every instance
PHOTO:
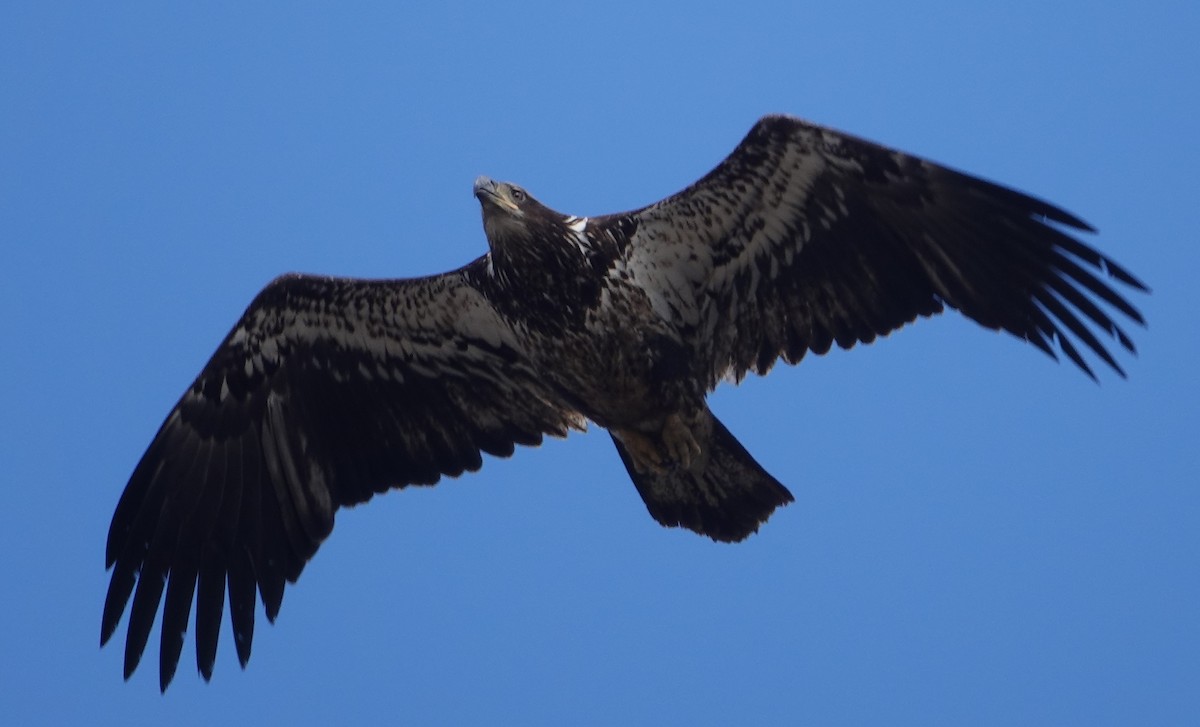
(622, 370)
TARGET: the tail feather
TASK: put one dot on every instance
(725, 494)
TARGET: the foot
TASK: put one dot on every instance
(646, 454)
(682, 447)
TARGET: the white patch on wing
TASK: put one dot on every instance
(775, 220)
(270, 349)
(578, 228)
(671, 275)
(706, 255)
(456, 325)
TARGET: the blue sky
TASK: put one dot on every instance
(979, 535)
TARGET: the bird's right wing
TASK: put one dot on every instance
(326, 392)
(804, 237)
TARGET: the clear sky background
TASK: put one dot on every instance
(980, 535)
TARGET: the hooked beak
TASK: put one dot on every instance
(484, 185)
(487, 190)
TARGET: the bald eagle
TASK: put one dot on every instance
(329, 390)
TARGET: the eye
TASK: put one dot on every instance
(518, 195)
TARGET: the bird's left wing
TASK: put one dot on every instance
(326, 392)
(804, 236)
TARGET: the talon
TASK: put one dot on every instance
(681, 444)
(675, 446)
(643, 450)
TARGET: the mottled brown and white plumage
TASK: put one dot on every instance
(328, 391)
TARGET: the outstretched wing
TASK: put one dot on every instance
(326, 392)
(804, 237)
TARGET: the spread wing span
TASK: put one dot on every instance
(325, 392)
(330, 390)
(804, 237)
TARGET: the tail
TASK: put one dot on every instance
(723, 493)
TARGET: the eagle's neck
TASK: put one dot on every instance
(548, 275)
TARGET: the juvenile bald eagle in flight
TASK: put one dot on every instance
(330, 390)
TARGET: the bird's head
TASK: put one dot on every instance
(508, 210)
(528, 240)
